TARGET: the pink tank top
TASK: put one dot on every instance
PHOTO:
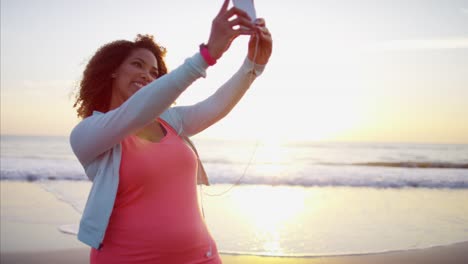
(156, 216)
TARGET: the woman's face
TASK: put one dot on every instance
(136, 71)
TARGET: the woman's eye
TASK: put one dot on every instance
(138, 64)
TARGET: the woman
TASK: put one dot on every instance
(143, 207)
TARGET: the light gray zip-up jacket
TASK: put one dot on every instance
(96, 139)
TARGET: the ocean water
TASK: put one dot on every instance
(377, 165)
(295, 199)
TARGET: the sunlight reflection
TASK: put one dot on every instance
(271, 158)
(269, 210)
(271, 242)
(270, 151)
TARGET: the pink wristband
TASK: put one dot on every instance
(206, 55)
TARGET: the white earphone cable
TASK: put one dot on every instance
(238, 181)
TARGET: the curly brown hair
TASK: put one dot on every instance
(95, 89)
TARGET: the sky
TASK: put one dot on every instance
(373, 71)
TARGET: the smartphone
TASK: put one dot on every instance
(247, 6)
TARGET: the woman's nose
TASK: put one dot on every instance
(146, 75)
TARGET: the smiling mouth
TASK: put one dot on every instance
(138, 84)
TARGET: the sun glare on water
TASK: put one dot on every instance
(269, 213)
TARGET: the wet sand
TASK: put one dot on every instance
(39, 241)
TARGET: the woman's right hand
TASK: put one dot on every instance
(222, 29)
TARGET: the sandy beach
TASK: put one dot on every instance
(39, 241)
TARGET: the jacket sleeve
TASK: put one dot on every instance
(196, 118)
(98, 133)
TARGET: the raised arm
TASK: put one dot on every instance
(196, 118)
(205, 113)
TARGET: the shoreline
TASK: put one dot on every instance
(397, 251)
(30, 217)
(450, 254)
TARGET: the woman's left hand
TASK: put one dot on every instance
(265, 43)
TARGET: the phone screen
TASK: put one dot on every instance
(247, 6)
